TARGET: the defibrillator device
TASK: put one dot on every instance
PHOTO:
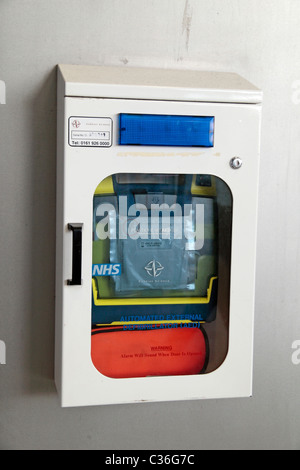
(154, 264)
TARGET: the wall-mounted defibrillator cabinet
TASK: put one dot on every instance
(157, 177)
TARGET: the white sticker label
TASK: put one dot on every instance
(90, 132)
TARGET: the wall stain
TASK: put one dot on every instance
(187, 23)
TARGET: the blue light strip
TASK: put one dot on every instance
(164, 130)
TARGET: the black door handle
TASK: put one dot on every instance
(76, 254)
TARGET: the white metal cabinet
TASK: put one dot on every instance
(96, 96)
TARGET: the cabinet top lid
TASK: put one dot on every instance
(156, 84)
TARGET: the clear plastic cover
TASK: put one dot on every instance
(159, 247)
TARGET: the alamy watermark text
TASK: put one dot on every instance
(136, 222)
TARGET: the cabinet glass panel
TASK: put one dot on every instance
(160, 274)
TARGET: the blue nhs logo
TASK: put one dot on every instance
(106, 269)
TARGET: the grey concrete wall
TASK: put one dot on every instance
(258, 39)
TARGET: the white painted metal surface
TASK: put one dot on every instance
(156, 84)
